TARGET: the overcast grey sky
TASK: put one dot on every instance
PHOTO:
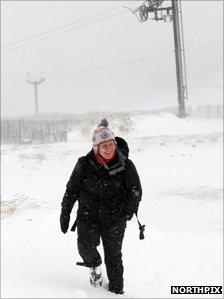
(105, 62)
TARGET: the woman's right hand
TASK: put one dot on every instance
(64, 221)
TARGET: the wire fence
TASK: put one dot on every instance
(206, 111)
(33, 131)
(27, 131)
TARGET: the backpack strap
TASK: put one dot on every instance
(141, 227)
(74, 225)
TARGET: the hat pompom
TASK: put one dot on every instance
(104, 122)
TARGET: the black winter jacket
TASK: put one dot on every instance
(104, 195)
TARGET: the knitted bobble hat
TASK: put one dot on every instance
(102, 133)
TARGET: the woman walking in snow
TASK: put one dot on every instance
(107, 186)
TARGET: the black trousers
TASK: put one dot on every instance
(89, 238)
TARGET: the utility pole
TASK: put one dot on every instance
(35, 79)
(170, 13)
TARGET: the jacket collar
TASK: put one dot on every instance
(113, 167)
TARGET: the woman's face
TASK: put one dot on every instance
(107, 149)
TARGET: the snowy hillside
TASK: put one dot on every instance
(180, 165)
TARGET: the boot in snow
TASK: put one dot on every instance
(117, 289)
(96, 278)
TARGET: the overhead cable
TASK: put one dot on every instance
(62, 32)
(9, 45)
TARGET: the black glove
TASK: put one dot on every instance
(64, 221)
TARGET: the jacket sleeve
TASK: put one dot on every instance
(133, 190)
(73, 188)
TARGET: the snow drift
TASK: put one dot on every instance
(180, 165)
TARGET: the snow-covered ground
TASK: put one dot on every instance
(180, 166)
